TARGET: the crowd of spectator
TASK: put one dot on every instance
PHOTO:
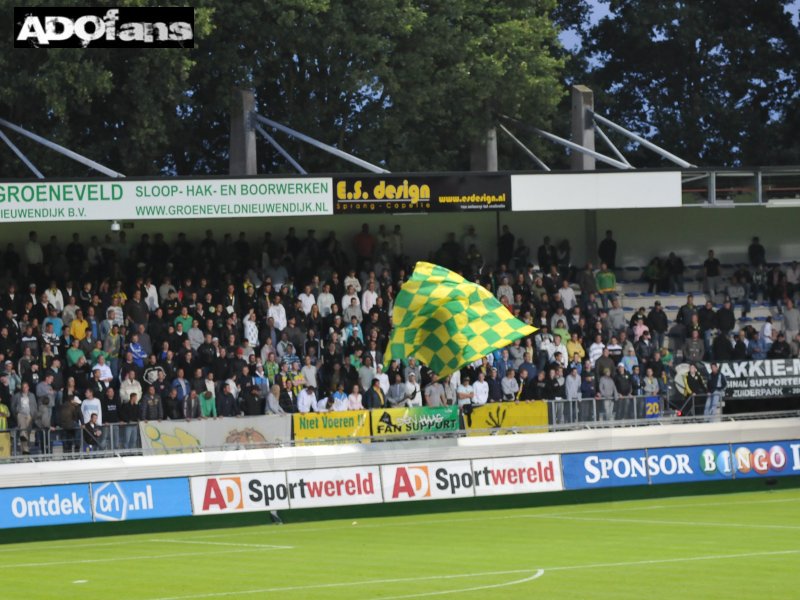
(112, 332)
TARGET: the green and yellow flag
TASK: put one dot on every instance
(447, 322)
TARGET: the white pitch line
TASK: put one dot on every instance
(117, 559)
(536, 575)
(657, 561)
(204, 543)
(319, 586)
(46, 546)
(687, 523)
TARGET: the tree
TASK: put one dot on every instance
(708, 80)
(406, 84)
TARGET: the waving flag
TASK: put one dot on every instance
(447, 322)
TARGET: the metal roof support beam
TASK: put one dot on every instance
(611, 145)
(527, 150)
(646, 143)
(573, 146)
(62, 150)
(322, 146)
(281, 150)
(20, 155)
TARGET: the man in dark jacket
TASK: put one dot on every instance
(151, 408)
(92, 434)
(70, 419)
(374, 396)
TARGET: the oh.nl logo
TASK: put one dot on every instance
(111, 503)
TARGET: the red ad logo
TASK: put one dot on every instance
(223, 493)
(414, 482)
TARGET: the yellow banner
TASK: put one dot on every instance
(331, 426)
(501, 418)
(5, 444)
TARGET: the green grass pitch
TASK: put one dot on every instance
(738, 545)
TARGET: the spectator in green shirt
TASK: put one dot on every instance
(74, 353)
(208, 405)
(184, 318)
(606, 284)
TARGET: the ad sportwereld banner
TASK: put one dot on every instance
(46, 505)
(239, 493)
(386, 193)
(144, 499)
(416, 420)
(501, 418)
(229, 433)
(334, 487)
(123, 199)
(342, 426)
(428, 481)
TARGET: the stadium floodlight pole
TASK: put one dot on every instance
(21, 155)
(62, 150)
(646, 143)
(321, 145)
(611, 145)
(527, 150)
(274, 143)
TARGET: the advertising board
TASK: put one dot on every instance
(144, 499)
(239, 493)
(428, 481)
(421, 193)
(334, 487)
(45, 505)
(174, 198)
(517, 475)
(331, 426)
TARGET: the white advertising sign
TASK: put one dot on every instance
(239, 493)
(122, 199)
(427, 481)
(334, 487)
(229, 433)
(587, 191)
(518, 475)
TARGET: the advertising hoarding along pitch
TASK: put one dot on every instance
(240, 493)
(46, 505)
(428, 481)
(334, 487)
(145, 499)
(122, 199)
(421, 193)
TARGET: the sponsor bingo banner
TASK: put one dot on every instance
(106, 200)
(146, 499)
(428, 481)
(331, 426)
(765, 459)
(507, 417)
(239, 493)
(334, 487)
(416, 420)
(170, 437)
(680, 464)
(421, 193)
(46, 505)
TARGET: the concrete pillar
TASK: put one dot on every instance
(582, 127)
(242, 154)
(484, 152)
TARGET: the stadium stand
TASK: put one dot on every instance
(221, 327)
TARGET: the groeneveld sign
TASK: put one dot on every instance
(121, 199)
